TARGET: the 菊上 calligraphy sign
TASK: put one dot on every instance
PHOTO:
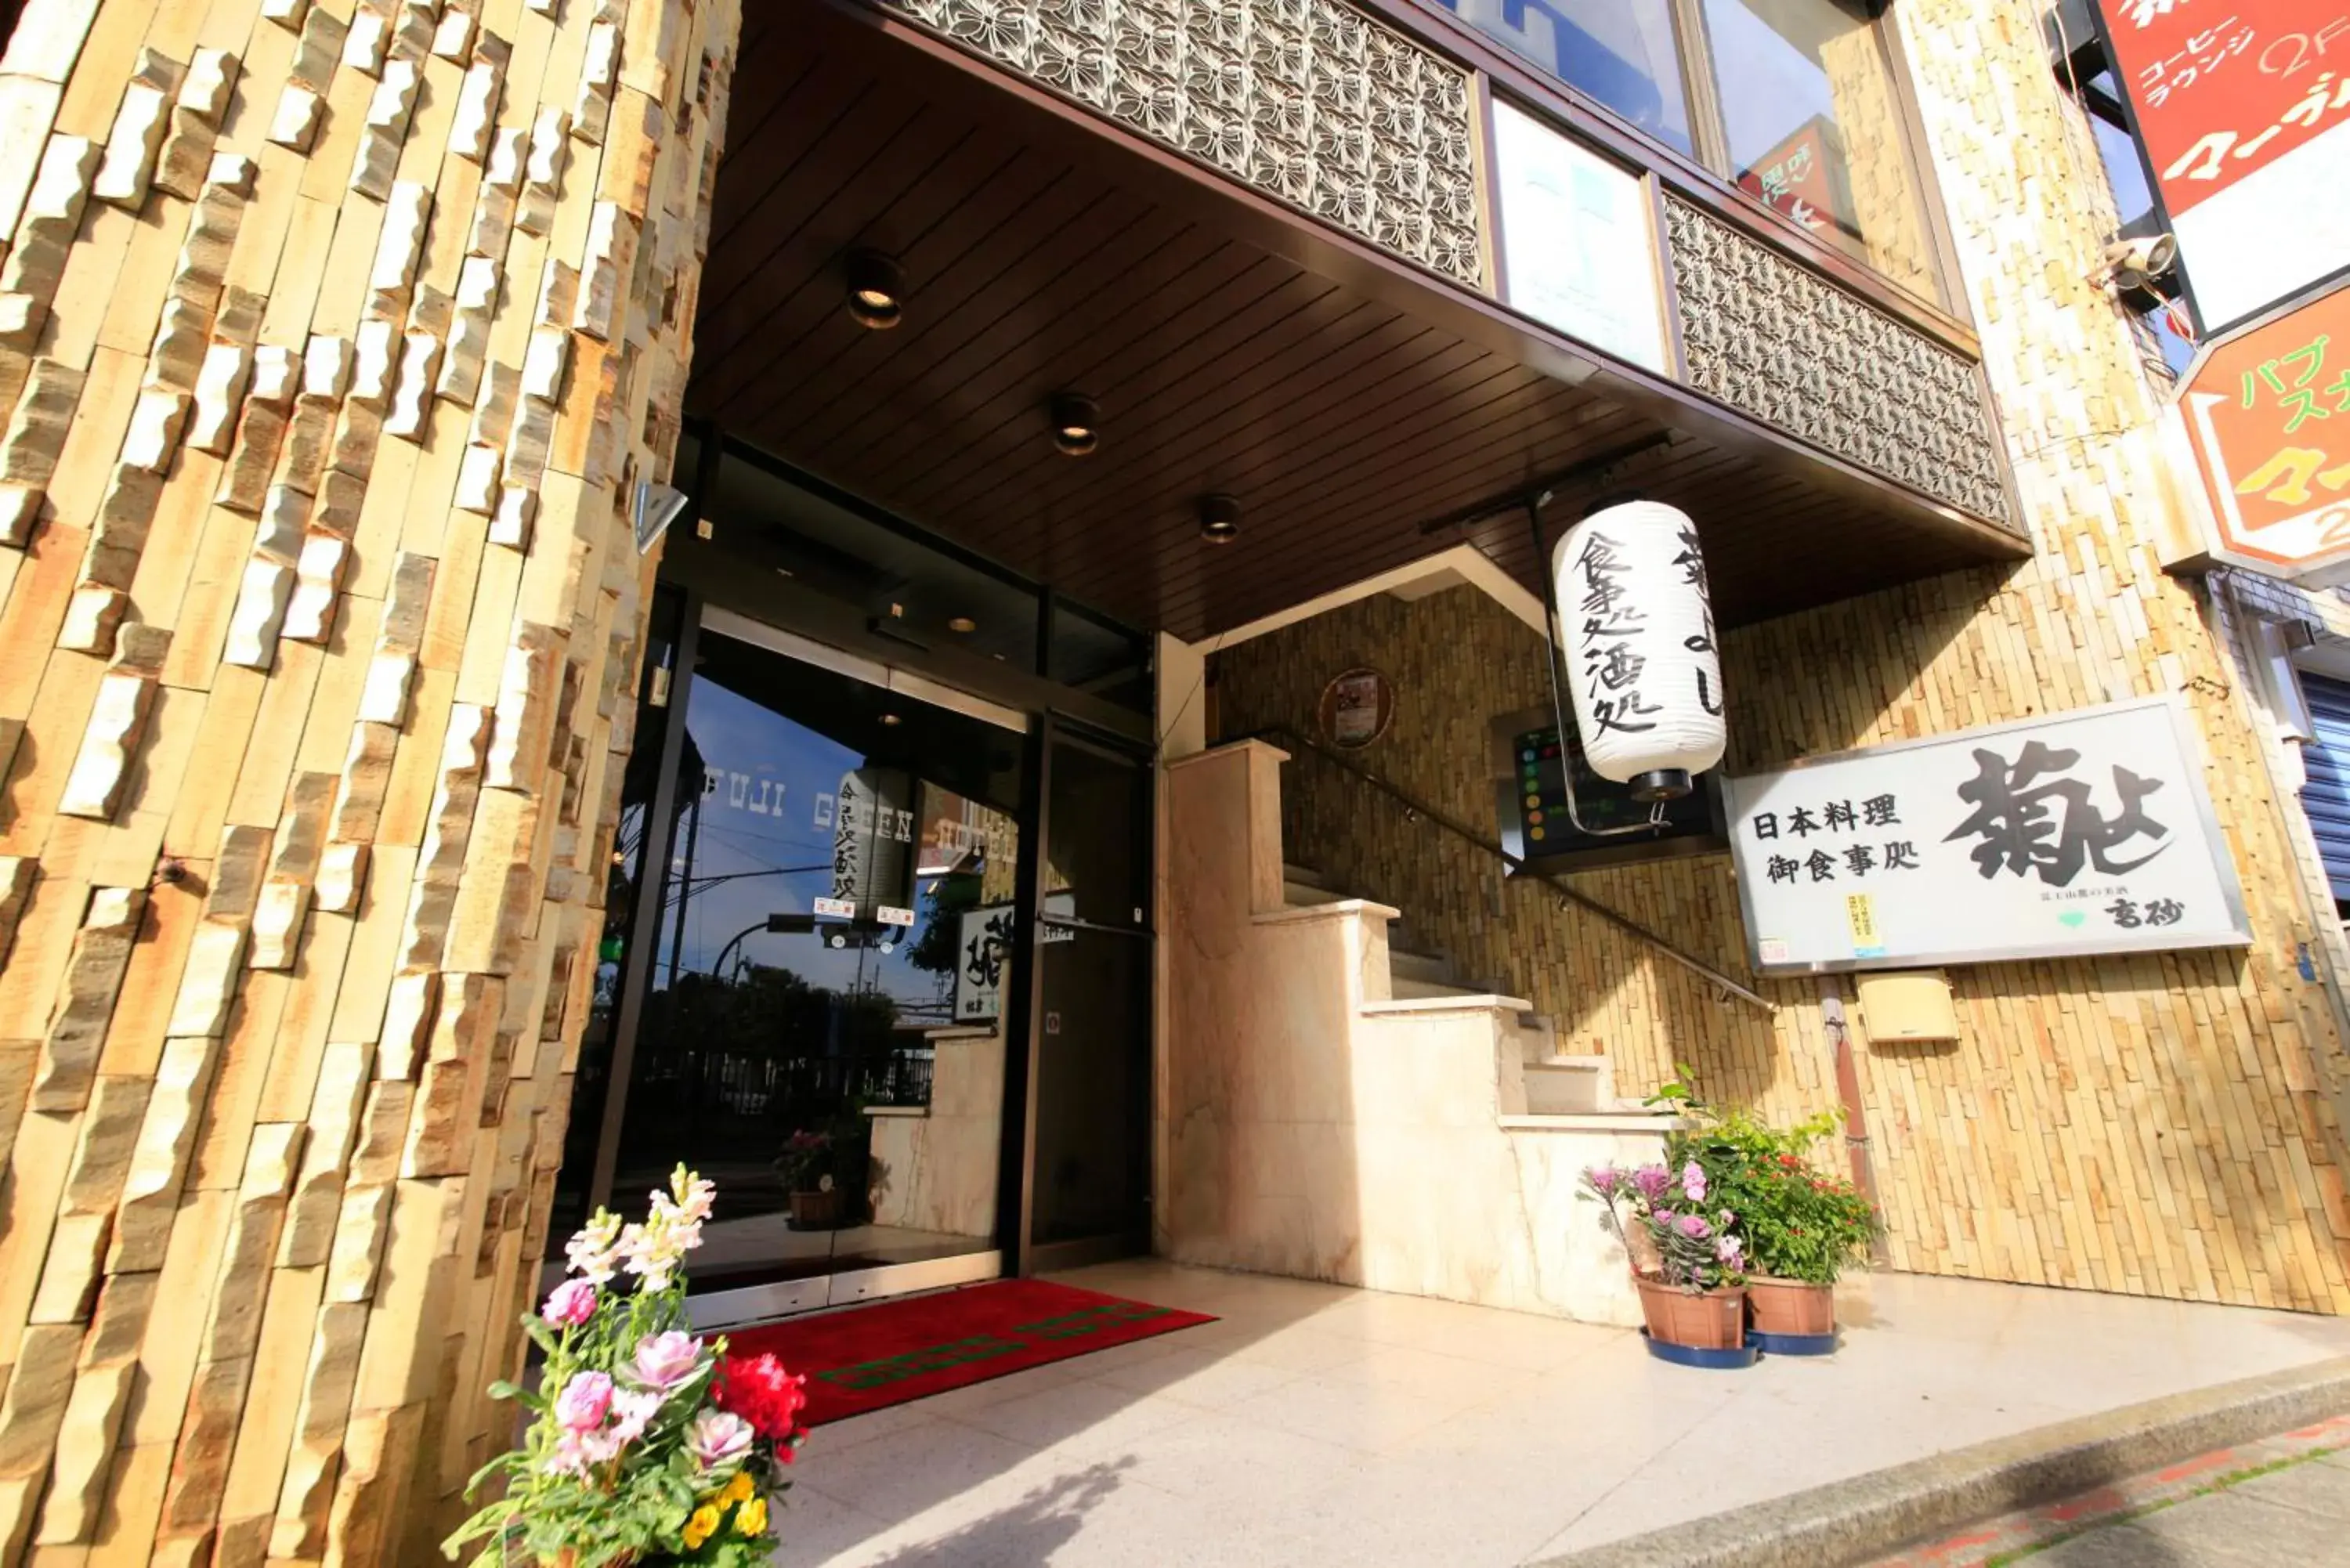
(2242, 110)
(2080, 833)
(2268, 415)
(983, 943)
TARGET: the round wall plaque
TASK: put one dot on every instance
(1355, 708)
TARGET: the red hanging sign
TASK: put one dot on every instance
(2225, 87)
(2244, 110)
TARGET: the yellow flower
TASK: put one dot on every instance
(751, 1518)
(736, 1489)
(698, 1528)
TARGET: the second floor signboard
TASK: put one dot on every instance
(2242, 112)
(2080, 833)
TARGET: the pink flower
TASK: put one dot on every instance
(632, 1411)
(1694, 1227)
(1604, 1179)
(718, 1437)
(584, 1402)
(665, 1360)
(1693, 1182)
(575, 1451)
(1650, 1182)
(1730, 1252)
(573, 1304)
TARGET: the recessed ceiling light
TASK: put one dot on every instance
(1220, 519)
(1076, 423)
(962, 623)
(877, 290)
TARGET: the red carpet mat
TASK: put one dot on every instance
(867, 1358)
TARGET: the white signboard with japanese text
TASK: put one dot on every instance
(2086, 832)
(1578, 241)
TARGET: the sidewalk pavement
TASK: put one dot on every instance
(2297, 1515)
(2277, 1503)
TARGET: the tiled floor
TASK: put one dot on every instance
(1325, 1425)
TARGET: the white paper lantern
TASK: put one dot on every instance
(1638, 642)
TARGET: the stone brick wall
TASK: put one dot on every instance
(334, 337)
(2166, 1124)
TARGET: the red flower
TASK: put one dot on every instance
(759, 1390)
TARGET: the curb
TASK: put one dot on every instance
(1870, 1515)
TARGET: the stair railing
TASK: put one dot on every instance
(1289, 740)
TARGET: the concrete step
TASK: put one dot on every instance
(1305, 895)
(1430, 968)
(1538, 1035)
(1569, 1086)
(1404, 989)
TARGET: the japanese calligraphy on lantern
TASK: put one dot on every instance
(2242, 108)
(2086, 832)
(2268, 416)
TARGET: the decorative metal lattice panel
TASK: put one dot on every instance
(1788, 347)
(1304, 99)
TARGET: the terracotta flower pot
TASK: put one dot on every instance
(816, 1210)
(1790, 1306)
(1702, 1320)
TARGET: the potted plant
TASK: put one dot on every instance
(1801, 1227)
(807, 1168)
(1805, 1229)
(1694, 1295)
(647, 1445)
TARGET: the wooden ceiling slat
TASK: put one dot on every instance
(830, 125)
(997, 372)
(1116, 321)
(778, 353)
(962, 280)
(1274, 545)
(1190, 431)
(788, 269)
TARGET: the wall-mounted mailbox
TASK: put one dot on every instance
(1907, 1007)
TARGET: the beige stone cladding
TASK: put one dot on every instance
(309, 771)
(2164, 1124)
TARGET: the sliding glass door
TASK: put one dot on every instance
(1090, 1154)
(819, 1020)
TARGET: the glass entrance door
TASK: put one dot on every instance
(820, 1028)
(1090, 1166)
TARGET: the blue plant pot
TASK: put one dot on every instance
(1711, 1360)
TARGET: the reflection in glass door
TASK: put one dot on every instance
(820, 1024)
(1090, 1183)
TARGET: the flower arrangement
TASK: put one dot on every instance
(807, 1162)
(646, 1444)
(1809, 1227)
(1800, 1223)
(1694, 1246)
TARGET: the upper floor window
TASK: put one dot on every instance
(1794, 101)
(1812, 119)
(1622, 52)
